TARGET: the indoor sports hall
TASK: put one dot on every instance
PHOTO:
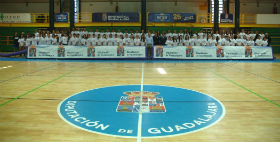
(139, 71)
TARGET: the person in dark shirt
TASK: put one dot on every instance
(16, 44)
(162, 38)
(156, 39)
(267, 36)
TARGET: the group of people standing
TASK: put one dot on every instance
(82, 37)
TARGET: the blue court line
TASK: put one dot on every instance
(3, 81)
(140, 60)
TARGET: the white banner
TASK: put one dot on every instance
(15, 18)
(213, 52)
(54, 51)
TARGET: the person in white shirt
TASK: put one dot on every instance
(262, 35)
(143, 40)
(71, 39)
(84, 32)
(169, 34)
(217, 35)
(251, 42)
(212, 42)
(107, 33)
(36, 33)
(242, 34)
(48, 39)
(219, 41)
(113, 32)
(90, 33)
(83, 40)
(265, 42)
(137, 41)
(21, 42)
(259, 41)
(175, 34)
(223, 40)
(244, 41)
(119, 33)
(77, 40)
(239, 40)
(96, 32)
(34, 40)
(195, 35)
(93, 41)
(175, 41)
(54, 40)
(124, 33)
(98, 40)
(64, 39)
(130, 41)
(110, 41)
(200, 34)
(115, 39)
(103, 40)
(198, 41)
(169, 41)
(28, 40)
(203, 41)
(43, 40)
(252, 34)
(121, 41)
(186, 41)
(192, 41)
(181, 41)
(137, 33)
(181, 34)
(126, 40)
(227, 41)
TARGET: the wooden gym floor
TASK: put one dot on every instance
(30, 92)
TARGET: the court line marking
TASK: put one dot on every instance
(55, 99)
(139, 129)
(3, 81)
(258, 75)
(26, 93)
(240, 86)
(152, 137)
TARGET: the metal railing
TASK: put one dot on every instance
(6, 40)
(39, 17)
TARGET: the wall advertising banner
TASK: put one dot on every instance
(172, 17)
(58, 51)
(115, 17)
(213, 52)
(226, 18)
(61, 17)
(15, 18)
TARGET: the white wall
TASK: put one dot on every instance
(252, 8)
(268, 18)
(26, 8)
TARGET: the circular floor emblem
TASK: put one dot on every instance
(166, 111)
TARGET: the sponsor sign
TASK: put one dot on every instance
(213, 52)
(54, 51)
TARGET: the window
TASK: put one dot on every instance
(221, 9)
(76, 10)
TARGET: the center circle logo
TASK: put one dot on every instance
(120, 111)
